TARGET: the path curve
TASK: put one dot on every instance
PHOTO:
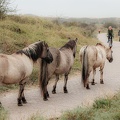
(77, 96)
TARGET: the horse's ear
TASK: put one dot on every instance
(76, 39)
(43, 42)
(69, 38)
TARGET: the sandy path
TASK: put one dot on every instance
(77, 96)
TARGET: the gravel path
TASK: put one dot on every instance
(77, 96)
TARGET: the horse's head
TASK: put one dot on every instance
(46, 54)
(109, 54)
(73, 45)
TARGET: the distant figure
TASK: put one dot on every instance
(110, 35)
(119, 35)
(99, 31)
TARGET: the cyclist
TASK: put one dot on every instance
(110, 34)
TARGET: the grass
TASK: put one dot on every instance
(36, 117)
(102, 109)
(3, 113)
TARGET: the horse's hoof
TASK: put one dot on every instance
(65, 91)
(88, 88)
(101, 82)
(20, 104)
(24, 100)
(45, 99)
(92, 83)
(53, 92)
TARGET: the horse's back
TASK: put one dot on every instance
(90, 51)
(95, 55)
(12, 68)
(66, 61)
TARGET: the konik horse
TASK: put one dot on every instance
(91, 58)
(17, 67)
(63, 60)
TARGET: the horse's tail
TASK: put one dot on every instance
(84, 66)
(43, 76)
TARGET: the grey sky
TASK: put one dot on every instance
(69, 8)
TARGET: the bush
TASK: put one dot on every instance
(114, 25)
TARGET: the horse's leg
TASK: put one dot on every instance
(101, 76)
(23, 96)
(47, 91)
(87, 84)
(0, 104)
(45, 95)
(65, 83)
(93, 80)
(20, 95)
(54, 87)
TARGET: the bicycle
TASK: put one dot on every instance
(110, 42)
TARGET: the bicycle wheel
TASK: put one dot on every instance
(110, 42)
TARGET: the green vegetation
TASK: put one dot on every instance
(36, 117)
(3, 113)
(102, 109)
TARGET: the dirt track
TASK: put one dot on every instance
(77, 96)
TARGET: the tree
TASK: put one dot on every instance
(5, 8)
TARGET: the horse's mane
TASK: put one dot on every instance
(100, 44)
(71, 44)
(33, 51)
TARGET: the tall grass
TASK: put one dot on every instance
(3, 113)
(102, 109)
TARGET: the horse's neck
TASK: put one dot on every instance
(24, 58)
(101, 52)
(66, 51)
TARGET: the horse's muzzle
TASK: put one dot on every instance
(110, 60)
(48, 60)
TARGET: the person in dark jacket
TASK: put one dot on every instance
(110, 34)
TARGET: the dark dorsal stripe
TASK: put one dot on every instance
(33, 51)
(100, 44)
(71, 44)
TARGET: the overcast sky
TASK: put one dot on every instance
(69, 8)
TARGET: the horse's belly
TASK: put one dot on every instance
(97, 64)
(62, 70)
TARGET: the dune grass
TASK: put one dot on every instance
(102, 109)
(3, 113)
